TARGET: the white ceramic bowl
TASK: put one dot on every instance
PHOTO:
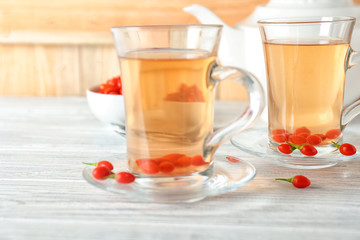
(107, 108)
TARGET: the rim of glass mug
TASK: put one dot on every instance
(306, 20)
(138, 33)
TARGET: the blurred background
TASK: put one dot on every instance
(61, 48)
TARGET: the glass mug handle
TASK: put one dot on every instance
(251, 113)
(353, 109)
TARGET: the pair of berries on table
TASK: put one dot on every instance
(306, 149)
(103, 170)
(112, 86)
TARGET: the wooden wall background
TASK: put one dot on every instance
(60, 48)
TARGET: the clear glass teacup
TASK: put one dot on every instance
(306, 61)
(169, 74)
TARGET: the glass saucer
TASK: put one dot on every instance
(255, 142)
(223, 176)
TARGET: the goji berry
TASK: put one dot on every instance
(314, 140)
(346, 148)
(296, 139)
(173, 156)
(112, 86)
(103, 163)
(159, 160)
(113, 82)
(279, 138)
(142, 160)
(303, 134)
(198, 160)
(166, 167)
(323, 137)
(102, 87)
(278, 131)
(302, 130)
(308, 150)
(148, 166)
(286, 148)
(232, 159)
(299, 181)
(124, 177)
(182, 162)
(110, 89)
(333, 133)
(101, 172)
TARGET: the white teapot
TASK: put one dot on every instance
(241, 46)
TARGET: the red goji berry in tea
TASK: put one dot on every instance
(279, 131)
(279, 138)
(182, 162)
(166, 167)
(314, 140)
(148, 166)
(296, 139)
(173, 157)
(322, 136)
(302, 130)
(333, 133)
(198, 160)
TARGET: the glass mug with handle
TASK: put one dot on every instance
(306, 61)
(169, 74)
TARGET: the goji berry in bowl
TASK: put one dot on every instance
(108, 108)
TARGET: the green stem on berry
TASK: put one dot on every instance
(91, 164)
(336, 144)
(295, 146)
(290, 180)
(112, 175)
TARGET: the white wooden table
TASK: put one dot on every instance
(43, 196)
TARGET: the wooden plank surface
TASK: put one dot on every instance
(97, 15)
(61, 48)
(43, 196)
(50, 70)
(42, 42)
